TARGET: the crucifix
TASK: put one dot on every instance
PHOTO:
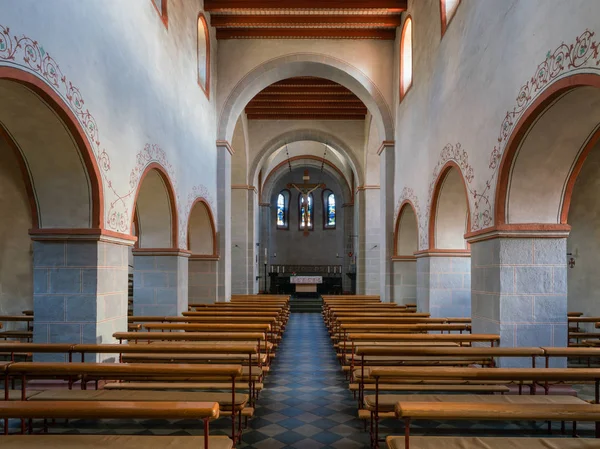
(305, 190)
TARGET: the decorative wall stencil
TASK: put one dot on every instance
(27, 54)
(199, 191)
(454, 153)
(407, 194)
(565, 60)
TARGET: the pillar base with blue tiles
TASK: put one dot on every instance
(80, 291)
(519, 291)
(160, 282)
(444, 284)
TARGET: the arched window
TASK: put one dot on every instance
(161, 9)
(283, 210)
(406, 59)
(306, 217)
(203, 55)
(448, 8)
(328, 209)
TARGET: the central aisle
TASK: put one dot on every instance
(306, 403)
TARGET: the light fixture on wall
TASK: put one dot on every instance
(572, 256)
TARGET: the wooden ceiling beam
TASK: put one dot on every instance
(305, 117)
(307, 105)
(307, 82)
(388, 34)
(332, 90)
(279, 20)
(224, 5)
(298, 111)
(306, 97)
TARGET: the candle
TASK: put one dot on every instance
(328, 267)
(266, 255)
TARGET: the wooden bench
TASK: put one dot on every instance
(230, 402)
(204, 411)
(409, 411)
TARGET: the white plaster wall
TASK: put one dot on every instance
(371, 158)
(584, 239)
(465, 82)
(138, 80)
(16, 269)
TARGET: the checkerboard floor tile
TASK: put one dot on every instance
(306, 405)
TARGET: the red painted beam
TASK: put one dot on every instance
(306, 33)
(223, 5)
(277, 20)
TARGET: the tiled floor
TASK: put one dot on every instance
(306, 404)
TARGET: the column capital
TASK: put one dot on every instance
(443, 253)
(520, 231)
(386, 144)
(82, 234)
(223, 144)
(161, 252)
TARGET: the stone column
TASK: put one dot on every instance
(160, 281)
(80, 289)
(203, 279)
(265, 239)
(519, 287)
(405, 279)
(243, 250)
(349, 242)
(444, 283)
(386, 223)
(224, 153)
(372, 242)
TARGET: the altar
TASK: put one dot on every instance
(306, 284)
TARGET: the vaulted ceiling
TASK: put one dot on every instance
(306, 98)
(305, 19)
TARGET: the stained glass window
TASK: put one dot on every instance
(306, 217)
(282, 209)
(406, 66)
(329, 217)
(203, 47)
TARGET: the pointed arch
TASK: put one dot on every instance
(406, 232)
(449, 214)
(155, 207)
(202, 231)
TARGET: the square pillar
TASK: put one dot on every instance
(444, 284)
(224, 153)
(520, 292)
(160, 281)
(203, 279)
(405, 280)
(80, 290)
(243, 272)
(386, 210)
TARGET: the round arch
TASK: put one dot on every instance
(155, 209)
(551, 173)
(406, 232)
(449, 211)
(304, 64)
(202, 232)
(59, 167)
(306, 135)
(281, 169)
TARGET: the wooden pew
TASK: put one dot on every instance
(204, 411)
(409, 411)
(17, 334)
(232, 402)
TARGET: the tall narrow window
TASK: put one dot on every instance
(203, 55)
(406, 59)
(306, 212)
(161, 9)
(283, 202)
(328, 209)
(448, 9)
